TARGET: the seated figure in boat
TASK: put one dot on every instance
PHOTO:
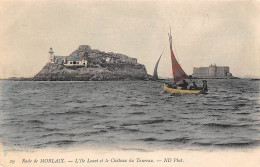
(193, 86)
(184, 85)
(171, 85)
(204, 86)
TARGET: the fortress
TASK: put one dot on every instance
(212, 71)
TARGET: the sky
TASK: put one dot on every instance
(204, 32)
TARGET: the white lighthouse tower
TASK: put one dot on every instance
(51, 56)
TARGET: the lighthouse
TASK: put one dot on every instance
(51, 55)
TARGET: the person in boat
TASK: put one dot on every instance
(171, 85)
(184, 85)
(205, 86)
(193, 86)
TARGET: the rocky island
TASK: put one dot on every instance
(86, 64)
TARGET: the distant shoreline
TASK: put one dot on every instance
(31, 79)
(150, 79)
(218, 78)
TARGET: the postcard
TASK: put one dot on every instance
(129, 83)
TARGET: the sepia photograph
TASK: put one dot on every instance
(129, 83)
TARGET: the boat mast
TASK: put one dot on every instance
(172, 54)
(177, 71)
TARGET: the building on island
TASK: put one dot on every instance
(212, 71)
(75, 61)
(120, 58)
(67, 60)
(86, 57)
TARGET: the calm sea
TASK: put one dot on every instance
(122, 114)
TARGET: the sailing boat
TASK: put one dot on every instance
(155, 75)
(178, 74)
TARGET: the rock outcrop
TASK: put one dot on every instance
(101, 66)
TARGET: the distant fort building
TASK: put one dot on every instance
(212, 71)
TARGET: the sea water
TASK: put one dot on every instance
(120, 114)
